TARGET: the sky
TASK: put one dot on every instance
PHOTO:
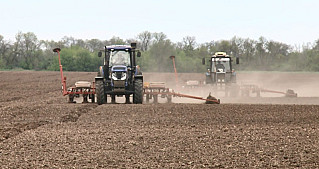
(294, 22)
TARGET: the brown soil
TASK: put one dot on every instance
(39, 129)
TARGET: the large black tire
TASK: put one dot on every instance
(138, 91)
(100, 94)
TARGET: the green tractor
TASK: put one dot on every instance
(119, 76)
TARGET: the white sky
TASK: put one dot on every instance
(294, 22)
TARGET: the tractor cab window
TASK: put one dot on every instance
(221, 64)
(120, 58)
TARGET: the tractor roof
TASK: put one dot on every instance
(220, 54)
(118, 47)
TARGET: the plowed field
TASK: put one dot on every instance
(39, 129)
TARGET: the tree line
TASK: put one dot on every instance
(30, 53)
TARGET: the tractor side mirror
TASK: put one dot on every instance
(203, 61)
(99, 54)
(138, 54)
(237, 60)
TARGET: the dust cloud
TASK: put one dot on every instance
(305, 84)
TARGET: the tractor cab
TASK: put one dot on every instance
(120, 57)
(220, 69)
(221, 63)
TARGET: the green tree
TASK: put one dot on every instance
(116, 41)
(27, 52)
(160, 53)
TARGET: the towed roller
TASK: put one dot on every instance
(212, 100)
(290, 93)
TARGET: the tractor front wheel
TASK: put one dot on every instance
(138, 91)
(100, 94)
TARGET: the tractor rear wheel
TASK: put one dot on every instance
(138, 91)
(100, 94)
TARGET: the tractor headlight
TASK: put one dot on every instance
(114, 76)
(220, 70)
(123, 76)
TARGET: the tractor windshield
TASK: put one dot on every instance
(221, 65)
(120, 58)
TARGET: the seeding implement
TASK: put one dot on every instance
(246, 90)
(84, 88)
(154, 90)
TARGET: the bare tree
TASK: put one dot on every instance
(3, 47)
(68, 41)
(145, 40)
(4, 51)
(316, 45)
(94, 45)
(116, 41)
(131, 40)
(158, 37)
(30, 45)
(189, 43)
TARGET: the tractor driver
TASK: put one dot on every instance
(119, 59)
(220, 66)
